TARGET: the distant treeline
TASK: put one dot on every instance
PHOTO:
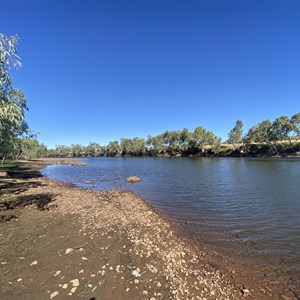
(280, 137)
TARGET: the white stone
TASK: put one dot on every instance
(69, 250)
(54, 294)
(75, 282)
(35, 263)
(136, 273)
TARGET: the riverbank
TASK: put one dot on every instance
(59, 240)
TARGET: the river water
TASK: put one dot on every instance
(248, 208)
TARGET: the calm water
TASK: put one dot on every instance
(248, 208)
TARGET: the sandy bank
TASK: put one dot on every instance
(60, 242)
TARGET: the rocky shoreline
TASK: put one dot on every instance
(59, 241)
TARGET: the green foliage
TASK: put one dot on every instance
(135, 146)
(11, 109)
(113, 149)
(235, 134)
(201, 138)
(12, 100)
(295, 125)
(30, 149)
(282, 129)
(94, 149)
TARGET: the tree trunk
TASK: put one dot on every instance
(2, 160)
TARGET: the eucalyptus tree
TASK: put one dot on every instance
(135, 146)
(113, 149)
(263, 132)
(295, 123)
(174, 141)
(185, 137)
(62, 150)
(138, 146)
(282, 128)
(30, 148)
(235, 135)
(9, 109)
(77, 150)
(12, 100)
(155, 144)
(201, 138)
(93, 149)
(126, 146)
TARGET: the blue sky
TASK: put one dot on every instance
(103, 70)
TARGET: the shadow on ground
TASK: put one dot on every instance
(22, 172)
(13, 184)
(41, 201)
(16, 187)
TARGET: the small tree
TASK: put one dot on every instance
(201, 138)
(295, 123)
(263, 132)
(235, 135)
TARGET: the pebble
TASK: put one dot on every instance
(136, 273)
(128, 289)
(81, 271)
(84, 258)
(35, 263)
(54, 294)
(73, 289)
(75, 282)
(56, 273)
(136, 281)
(118, 268)
(65, 286)
(19, 279)
(69, 250)
(246, 291)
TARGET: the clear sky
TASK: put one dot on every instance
(103, 70)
